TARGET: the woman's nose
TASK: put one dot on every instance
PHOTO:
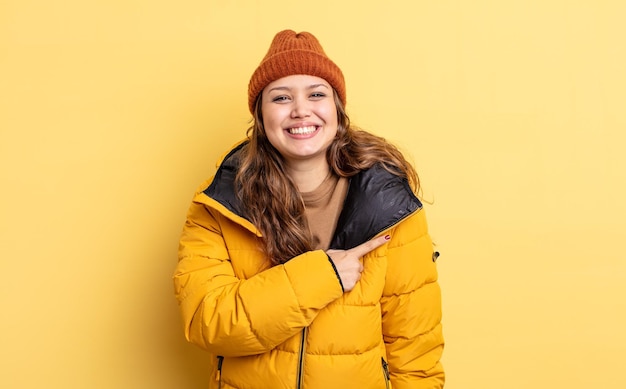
(300, 108)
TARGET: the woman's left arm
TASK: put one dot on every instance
(411, 308)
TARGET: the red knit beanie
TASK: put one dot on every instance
(291, 53)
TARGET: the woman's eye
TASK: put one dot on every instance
(318, 95)
(279, 99)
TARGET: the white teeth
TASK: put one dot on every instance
(302, 130)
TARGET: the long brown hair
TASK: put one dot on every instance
(272, 201)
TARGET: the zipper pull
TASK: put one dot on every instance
(386, 369)
(218, 373)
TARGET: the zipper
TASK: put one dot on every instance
(395, 222)
(218, 375)
(386, 372)
(301, 358)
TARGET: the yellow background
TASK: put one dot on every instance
(112, 112)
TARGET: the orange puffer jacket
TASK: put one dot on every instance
(291, 325)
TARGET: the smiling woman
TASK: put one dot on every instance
(305, 261)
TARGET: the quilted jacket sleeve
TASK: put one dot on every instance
(411, 308)
(235, 317)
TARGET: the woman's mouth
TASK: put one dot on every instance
(302, 130)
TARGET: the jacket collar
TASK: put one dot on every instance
(376, 200)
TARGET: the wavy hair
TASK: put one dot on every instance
(272, 201)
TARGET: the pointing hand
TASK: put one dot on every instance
(348, 264)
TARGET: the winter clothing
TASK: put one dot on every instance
(290, 54)
(291, 325)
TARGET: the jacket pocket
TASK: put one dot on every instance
(386, 373)
(218, 375)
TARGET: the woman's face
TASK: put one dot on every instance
(300, 117)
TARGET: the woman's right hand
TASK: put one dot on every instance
(348, 262)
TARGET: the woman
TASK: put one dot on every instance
(305, 261)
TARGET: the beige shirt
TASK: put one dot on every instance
(322, 208)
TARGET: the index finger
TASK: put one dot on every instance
(370, 245)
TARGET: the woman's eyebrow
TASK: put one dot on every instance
(280, 88)
(317, 85)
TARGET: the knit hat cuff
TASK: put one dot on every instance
(294, 62)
